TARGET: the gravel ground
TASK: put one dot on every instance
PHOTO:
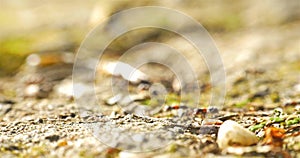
(52, 127)
(40, 118)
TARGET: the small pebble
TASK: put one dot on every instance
(213, 109)
(61, 143)
(52, 138)
(231, 133)
(113, 100)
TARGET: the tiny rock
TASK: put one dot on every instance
(61, 143)
(231, 133)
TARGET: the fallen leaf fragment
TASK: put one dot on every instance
(274, 136)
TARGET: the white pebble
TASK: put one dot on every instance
(231, 132)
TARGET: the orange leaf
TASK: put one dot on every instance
(274, 136)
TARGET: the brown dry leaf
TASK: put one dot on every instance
(274, 136)
(111, 152)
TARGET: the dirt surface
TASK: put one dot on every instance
(39, 116)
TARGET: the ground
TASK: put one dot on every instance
(39, 117)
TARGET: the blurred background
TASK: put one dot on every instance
(259, 42)
(248, 34)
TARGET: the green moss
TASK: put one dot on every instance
(146, 102)
(277, 119)
(9, 63)
(242, 103)
(275, 97)
(18, 45)
(12, 54)
(172, 148)
(293, 121)
(256, 127)
(172, 99)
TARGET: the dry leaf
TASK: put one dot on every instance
(274, 136)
